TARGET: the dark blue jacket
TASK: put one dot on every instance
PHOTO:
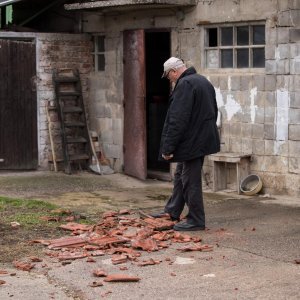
(190, 129)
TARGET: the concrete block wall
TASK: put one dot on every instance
(106, 101)
(260, 110)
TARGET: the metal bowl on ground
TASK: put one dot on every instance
(251, 185)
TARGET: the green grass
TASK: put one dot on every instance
(27, 212)
(23, 203)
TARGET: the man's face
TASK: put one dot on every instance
(172, 75)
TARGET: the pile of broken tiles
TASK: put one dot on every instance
(121, 235)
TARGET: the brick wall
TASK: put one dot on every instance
(58, 51)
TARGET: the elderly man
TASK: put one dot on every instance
(189, 133)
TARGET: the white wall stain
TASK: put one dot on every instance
(229, 83)
(281, 118)
(220, 103)
(253, 107)
(277, 54)
(219, 97)
(231, 107)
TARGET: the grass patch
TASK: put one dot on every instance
(14, 241)
(26, 212)
(6, 203)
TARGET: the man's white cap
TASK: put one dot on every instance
(171, 64)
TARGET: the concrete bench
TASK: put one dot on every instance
(220, 161)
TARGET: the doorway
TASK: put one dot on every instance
(18, 105)
(145, 101)
(157, 51)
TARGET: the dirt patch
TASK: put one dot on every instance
(15, 242)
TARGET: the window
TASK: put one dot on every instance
(99, 52)
(240, 46)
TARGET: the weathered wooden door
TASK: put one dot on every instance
(135, 156)
(18, 105)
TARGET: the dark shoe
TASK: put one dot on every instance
(163, 215)
(183, 226)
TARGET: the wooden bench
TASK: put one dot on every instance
(220, 161)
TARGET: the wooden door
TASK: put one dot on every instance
(18, 105)
(135, 156)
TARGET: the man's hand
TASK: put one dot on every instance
(167, 156)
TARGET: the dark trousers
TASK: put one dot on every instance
(188, 190)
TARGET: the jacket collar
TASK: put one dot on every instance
(187, 72)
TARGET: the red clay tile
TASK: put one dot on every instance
(67, 242)
(148, 244)
(24, 266)
(107, 240)
(199, 247)
(71, 255)
(129, 251)
(97, 253)
(90, 247)
(144, 232)
(35, 259)
(99, 273)
(121, 278)
(159, 223)
(119, 259)
(75, 226)
(149, 262)
(161, 236)
(108, 214)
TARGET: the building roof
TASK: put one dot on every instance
(80, 5)
(8, 2)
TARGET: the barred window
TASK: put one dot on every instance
(99, 52)
(238, 46)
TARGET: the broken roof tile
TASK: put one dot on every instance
(121, 278)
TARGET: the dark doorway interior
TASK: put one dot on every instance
(157, 50)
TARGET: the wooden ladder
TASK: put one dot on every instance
(71, 114)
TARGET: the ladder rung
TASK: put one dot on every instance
(65, 93)
(74, 124)
(78, 157)
(65, 79)
(72, 109)
(78, 139)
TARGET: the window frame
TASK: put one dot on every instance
(233, 47)
(96, 53)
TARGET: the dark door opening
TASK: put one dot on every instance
(157, 51)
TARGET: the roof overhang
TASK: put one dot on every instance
(8, 2)
(129, 4)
